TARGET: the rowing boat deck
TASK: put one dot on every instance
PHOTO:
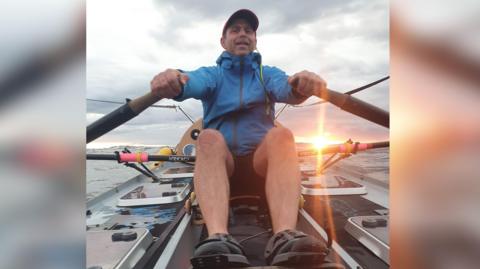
(340, 208)
(163, 222)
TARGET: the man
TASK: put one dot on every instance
(238, 97)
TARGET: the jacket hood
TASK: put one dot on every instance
(227, 60)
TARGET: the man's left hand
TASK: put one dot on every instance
(307, 83)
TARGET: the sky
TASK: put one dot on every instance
(129, 42)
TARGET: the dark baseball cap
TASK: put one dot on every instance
(245, 14)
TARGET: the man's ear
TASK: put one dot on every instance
(222, 41)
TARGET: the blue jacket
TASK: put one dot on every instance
(234, 98)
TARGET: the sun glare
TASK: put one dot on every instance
(320, 142)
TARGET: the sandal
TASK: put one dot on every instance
(294, 248)
(219, 251)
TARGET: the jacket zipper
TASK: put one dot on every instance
(235, 144)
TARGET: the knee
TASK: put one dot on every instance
(210, 139)
(280, 136)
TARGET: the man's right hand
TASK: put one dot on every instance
(168, 84)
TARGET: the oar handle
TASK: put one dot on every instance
(357, 107)
(143, 102)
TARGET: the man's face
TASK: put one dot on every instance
(239, 39)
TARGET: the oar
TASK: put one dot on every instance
(357, 107)
(134, 107)
(139, 157)
(142, 157)
(346, 148)
(119, 116)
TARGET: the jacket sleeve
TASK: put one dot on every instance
(276, 82)
(200, 84)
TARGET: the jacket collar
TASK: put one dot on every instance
(227, 60)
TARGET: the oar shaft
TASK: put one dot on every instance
(354, 147)
(383, 144)
(95, 156)
(140, 157)
(345, 148)
(357, 107)
(119, 116)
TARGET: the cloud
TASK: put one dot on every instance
(274, 16)
(91, 117)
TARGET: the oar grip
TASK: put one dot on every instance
(143, 102)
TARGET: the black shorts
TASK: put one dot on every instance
(245, 181)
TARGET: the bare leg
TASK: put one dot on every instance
(276, 157)
(213, 165)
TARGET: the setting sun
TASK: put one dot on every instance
(320, 142)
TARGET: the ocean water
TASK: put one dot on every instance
(104, 175)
